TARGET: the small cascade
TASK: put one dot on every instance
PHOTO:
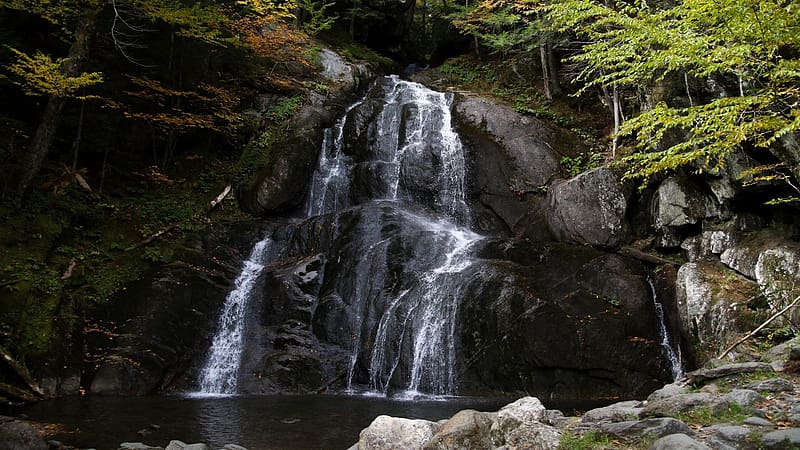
(424, 317)
(673, 353)
(330, 182)
(220, 372)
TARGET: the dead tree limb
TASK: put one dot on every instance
(760, 327)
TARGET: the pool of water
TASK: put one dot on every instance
(256, 422)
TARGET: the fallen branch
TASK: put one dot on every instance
(70, 268)
(760, 327)
(20, 371)
(158, 234)
(643, 256)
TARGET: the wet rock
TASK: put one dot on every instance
(678, 441)
(657, 427)
(618, 412)
(515, 158)
(152, 335)
(466, 429)
(782, 439)
(772, 385)
(396, 433)
(588, 209)
(18, 435)
(671, 406)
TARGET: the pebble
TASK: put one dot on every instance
(758, 422)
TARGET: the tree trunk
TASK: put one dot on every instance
(45, 133)
(545, 70)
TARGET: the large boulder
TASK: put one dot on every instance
(515, 157)
(396, 433)
(466, 429)
(681, 203)
(18, 435)
(588, 209)
(519, 425)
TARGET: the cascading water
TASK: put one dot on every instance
(220, 372)
(673, 353)
(414, 123)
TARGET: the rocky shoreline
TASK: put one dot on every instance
(744, 405)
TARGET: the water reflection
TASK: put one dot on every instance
(255, 422)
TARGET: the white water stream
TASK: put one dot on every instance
(221, 370)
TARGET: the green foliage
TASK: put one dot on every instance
(636, 45)
(586, 441)
(284, 109)
(581, 163)
(704, 416)
(318, 18)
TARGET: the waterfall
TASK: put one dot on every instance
(220, 372)
(673, 353)
(413, 123)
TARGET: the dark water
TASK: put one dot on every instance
(255, 422)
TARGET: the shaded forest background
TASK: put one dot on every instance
(122, 120)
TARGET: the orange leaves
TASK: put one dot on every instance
(204, 107)
(281, 47)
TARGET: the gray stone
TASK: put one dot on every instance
(794, 353)
(466, 429)
(758, 422)
(782, 439)
(532, 436)
(233, 447)
(710, 300)
(730, 433)
(588, 209)
(18, 435)
(679, 202)
(678, 441)
(671, 406)
(180, 445)
(618, 412)
(396, 433)
(716, 444)
(657, 427)
(708, 245)
(137, 446)
(744, 397)
(668, 390)
(772, 385)
(519, 425)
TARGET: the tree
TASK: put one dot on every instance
(77, 18)
(754, 42)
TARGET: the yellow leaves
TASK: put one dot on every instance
(41, 75)
(280, 9)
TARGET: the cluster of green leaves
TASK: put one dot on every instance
(636, 45)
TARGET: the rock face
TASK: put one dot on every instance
(146, 338)
(679, 204)
(712, 302)
(588, 209)
(274, 188)
(515, 158)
